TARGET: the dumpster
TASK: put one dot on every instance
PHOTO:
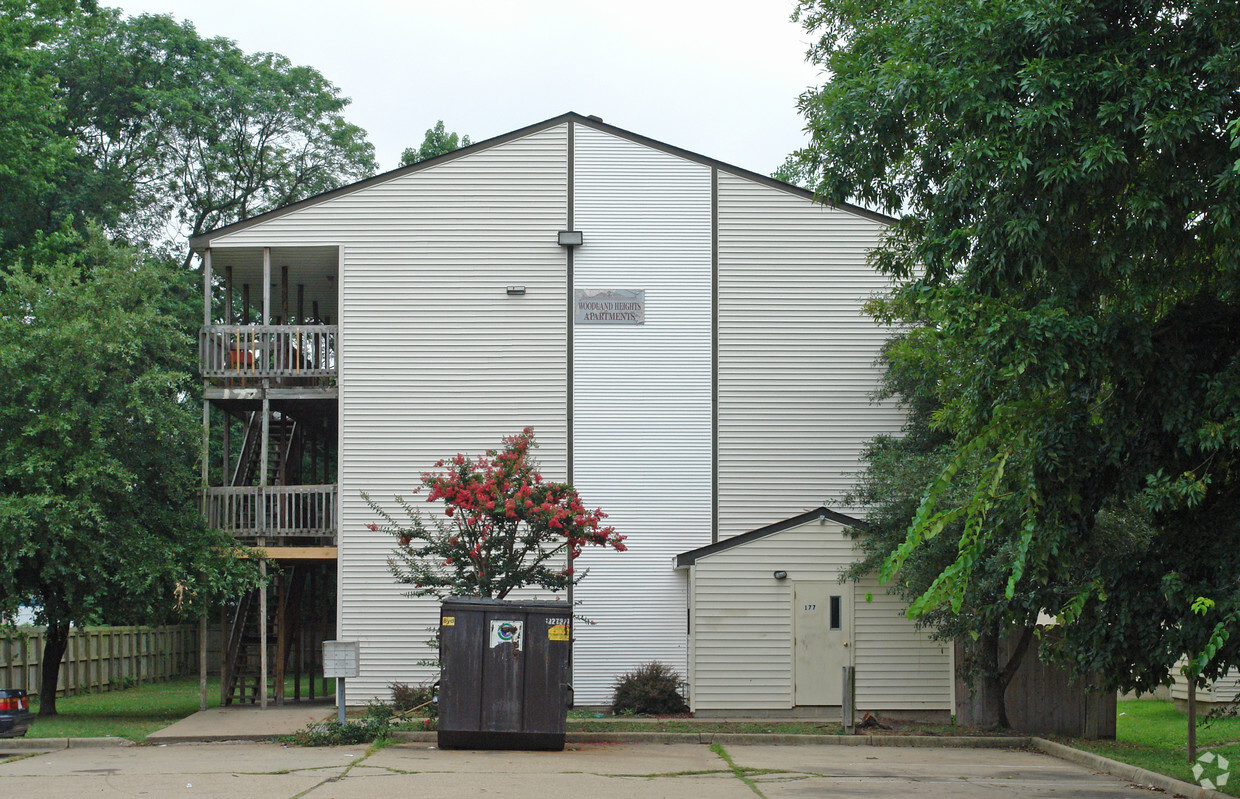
(504, 674)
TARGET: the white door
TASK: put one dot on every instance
(821, 629)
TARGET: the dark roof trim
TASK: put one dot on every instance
(689, 558)
(734, 170)
(204, 240)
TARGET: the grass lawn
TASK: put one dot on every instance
(1152, 735)
(131, 713)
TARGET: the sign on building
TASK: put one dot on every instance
(609, 306)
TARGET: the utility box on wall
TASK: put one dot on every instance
(504, 674)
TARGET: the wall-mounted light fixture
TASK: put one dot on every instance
(781, 575)
(570, 238)
(515, 291)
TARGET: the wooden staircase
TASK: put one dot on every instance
(243, 652)
(283, 451)
(242, 656)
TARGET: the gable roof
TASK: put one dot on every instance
(204, 239)
(685, 559)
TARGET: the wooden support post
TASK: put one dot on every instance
(266, 285)
(206, 451)
(314, 454)
(245, 303)
(301, 303)
(281, 633)
(223, 656)
(262, 524)
(284, 295)
(262, 633)
(228, 295)
(206, 287)
(202, 661)
(225, 474)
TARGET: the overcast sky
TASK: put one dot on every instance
(720, 79)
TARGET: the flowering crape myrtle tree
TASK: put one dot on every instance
(502, 527)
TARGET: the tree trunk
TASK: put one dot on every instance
(993, 682)
(1009, 672)
(989, 689)
(1192, 718)
(55, 642)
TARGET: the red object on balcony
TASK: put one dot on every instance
(239, 358)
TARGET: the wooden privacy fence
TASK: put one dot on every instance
(100, 658)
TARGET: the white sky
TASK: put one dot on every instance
(718, 78)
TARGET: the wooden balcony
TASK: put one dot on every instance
(288, 354)
(281, 515)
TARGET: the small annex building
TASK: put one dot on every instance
(686, 338)
(771, 624)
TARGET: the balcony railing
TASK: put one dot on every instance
(274, 512)
(276, 351)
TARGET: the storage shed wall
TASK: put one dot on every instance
(435, 357)
(641, 400)
(743, 638)
(796, 353)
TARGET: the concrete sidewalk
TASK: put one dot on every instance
(244, 722)
(271, 771)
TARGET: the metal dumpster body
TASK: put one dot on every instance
(504, 674)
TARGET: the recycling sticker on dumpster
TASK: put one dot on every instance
(506, 632)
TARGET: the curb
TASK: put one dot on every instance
(48, 744)
(766, 739)
(1138, 776)
(210, 739)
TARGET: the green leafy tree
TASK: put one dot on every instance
(890, 487)
(34, 153)
(503, 527)
(99, 519)
(176, 134)
(437, 142)
(1069, 176)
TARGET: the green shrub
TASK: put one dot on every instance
(652, 689)
(406, 697)
(372, 727)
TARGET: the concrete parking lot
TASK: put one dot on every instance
(602, 771)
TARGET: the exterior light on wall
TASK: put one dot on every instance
(515, 291)
(571, 238)
(781, 575)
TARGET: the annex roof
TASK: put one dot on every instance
(204, 240)
(686, 559)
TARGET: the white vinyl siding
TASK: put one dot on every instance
(641, 400)
(796, 353)
(743, 638)
(1224, 689)
(899, 667)
(435, 357)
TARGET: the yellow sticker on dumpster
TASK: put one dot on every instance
(557, 632)
(448, 621)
